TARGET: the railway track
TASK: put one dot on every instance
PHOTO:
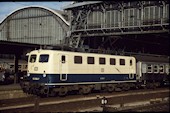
(156, 107)
(79, 102)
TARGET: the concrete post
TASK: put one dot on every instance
(16, 58)
(36, 105)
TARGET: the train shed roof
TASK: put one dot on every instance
(56, 12)
(80, 4)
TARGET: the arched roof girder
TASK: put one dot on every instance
(41, 7)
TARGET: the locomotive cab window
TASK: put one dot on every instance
(90, 60)
(112, 61)
(44, 58)
(122, 61)
(102, 61)
(78, 59)
(33, 58)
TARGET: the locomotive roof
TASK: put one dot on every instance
(49, 51)
(152, 58)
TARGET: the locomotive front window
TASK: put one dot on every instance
(33, 58)
(44, 58)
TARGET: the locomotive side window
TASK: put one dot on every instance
(122, 61)
(149, 68)
(161, 69)
(78, 59)
(130, 62)
(102, 61)
(63, 59)
(44, 58)
(90, 60)
(33, 58)
(112, 61)
(155, 69)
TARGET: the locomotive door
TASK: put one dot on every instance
(63, 67)
(131, 69)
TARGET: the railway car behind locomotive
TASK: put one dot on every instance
(54, 72)
(7, 70)
(153, 70)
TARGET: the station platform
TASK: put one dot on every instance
(11, 91)
(10, 87)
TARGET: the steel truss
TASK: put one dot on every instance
(80, 29)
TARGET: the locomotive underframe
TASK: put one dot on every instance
(44, 90)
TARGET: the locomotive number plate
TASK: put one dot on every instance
(35, 78)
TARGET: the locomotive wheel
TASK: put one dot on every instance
(110, 88)
(118, 89)
(126, 87)
(43, 91)
(84, 90)
(52, 93)
(62, 91)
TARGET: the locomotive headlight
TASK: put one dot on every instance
(28, 74)
(44, 75)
